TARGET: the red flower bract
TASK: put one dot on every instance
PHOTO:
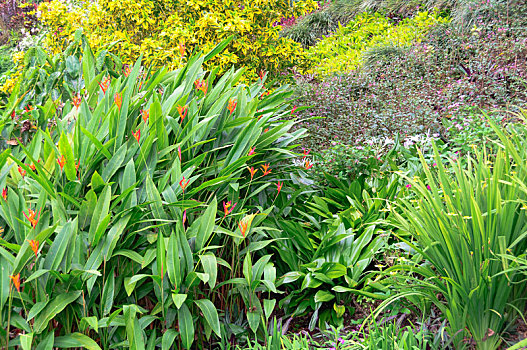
(253, 171)
(137, 135)
(183, 184)
(34, 246)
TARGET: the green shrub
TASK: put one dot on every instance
(327, 243)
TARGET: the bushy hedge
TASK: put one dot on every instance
(343, 51)
(166, 32)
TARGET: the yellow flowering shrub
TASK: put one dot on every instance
(161, 30)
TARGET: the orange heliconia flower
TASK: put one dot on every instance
(77, 101)
(232, 105)
(21, 171)
(242, 225)
(261, 74)
(181, 48)
(265, 169)
(118, 99)
(16, 281)
(137, 135)
(127, 71)
(279, 187)
(105, 84)
(201, 85)
(182, 110)
(228, 207)
(184, 217)
(307, 164)
(28, 108)
(253, 171)
(266, 130)
(183, 184)
(145, 115)
(32, 217)
(33, 167)
(4, 193)
(61, 160)
(251, 151)
(34, 246)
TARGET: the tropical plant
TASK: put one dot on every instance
(328, 245)
(131, 203)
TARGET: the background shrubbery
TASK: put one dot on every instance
(403, 91)
(166, 32)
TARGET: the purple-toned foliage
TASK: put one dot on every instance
(15, 15)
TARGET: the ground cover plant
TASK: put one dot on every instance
(438, 85)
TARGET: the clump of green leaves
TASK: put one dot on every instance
(464, 215)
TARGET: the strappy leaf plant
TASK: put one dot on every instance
(464, 216)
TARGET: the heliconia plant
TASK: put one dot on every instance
(130, 209)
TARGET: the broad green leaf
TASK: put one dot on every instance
(168, 339)
(186, 326)
(254, 320)
(269, 305)
(108, 294)
(98, 222)
(210, 267)
(52, 309)
(179, 299)
(67, 152)
(173, 261)
(26, 340)
(36, 309)
(134, 331)
(64, 239)
(76, 340)
(211, 314)
(322, 296)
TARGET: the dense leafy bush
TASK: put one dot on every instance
(343, 51)
(450, 74)
(327, 244)
(16, 15)
(166, 32)
(308, 29)
(131, 217)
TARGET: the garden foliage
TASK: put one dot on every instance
(343, 51)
